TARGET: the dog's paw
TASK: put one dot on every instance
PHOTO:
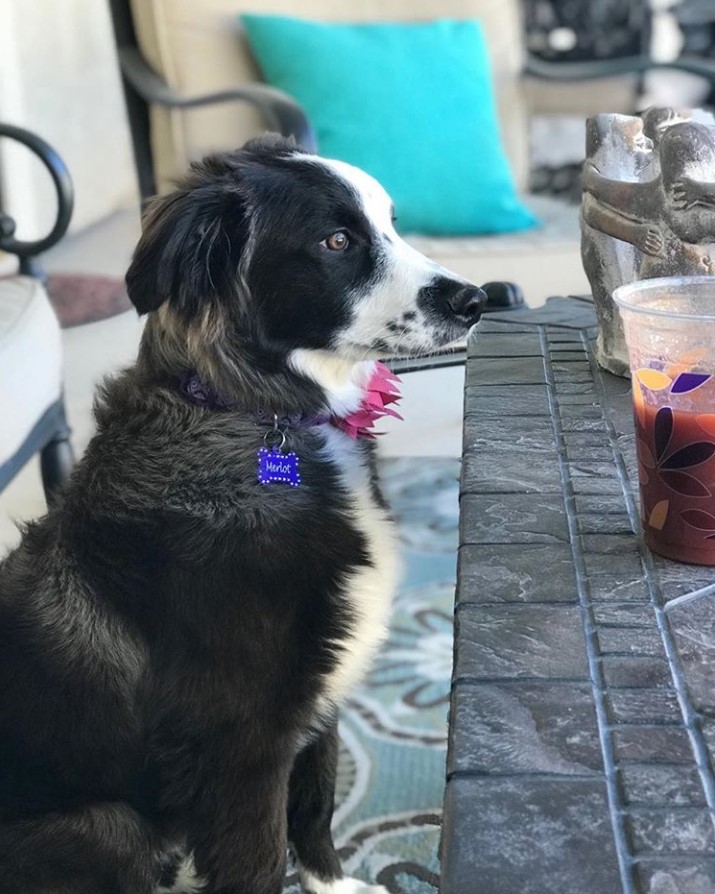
(355, 886)
(313, 885)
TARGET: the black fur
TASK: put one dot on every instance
(167, 629)
(216, 597)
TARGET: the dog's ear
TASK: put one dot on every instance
(189, 250)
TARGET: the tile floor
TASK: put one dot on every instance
(432, 401)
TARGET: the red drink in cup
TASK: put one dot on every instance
(670, 331)
(676, 469)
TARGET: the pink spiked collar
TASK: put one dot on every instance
(382, 390)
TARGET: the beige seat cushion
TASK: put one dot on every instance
(544, 261)
(198, 45)
(30, 360)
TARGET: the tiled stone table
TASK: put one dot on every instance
(582, 729)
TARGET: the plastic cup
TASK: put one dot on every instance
(669, 326)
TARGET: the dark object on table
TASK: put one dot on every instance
(502, 296)
(581, 732)
(50, 434)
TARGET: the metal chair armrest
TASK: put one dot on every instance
(63, 187)
(281, 112)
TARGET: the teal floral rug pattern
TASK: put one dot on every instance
(394, 729)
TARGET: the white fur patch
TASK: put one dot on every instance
(342, 380)
(369, 589)
(187, 882)
(314, 885)
(376, 203)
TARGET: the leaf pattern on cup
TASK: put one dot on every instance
(659, 514)
(698, 518)
(645, 455)
(694, 454)
(661, 451)
(671, 468)
(685, 484)
(662, 431)
(688, 381)
(653, 379)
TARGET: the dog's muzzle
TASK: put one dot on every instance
(459, 302)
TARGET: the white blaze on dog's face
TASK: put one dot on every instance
(411, 305)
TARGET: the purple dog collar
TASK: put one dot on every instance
(197, 392)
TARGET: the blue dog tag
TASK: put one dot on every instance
(276, 467)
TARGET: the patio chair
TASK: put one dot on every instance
(32, 411)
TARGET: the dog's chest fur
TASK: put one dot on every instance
(368, 589)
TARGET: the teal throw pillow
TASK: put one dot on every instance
(412, 104)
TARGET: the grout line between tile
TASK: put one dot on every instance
(523, 774)
(623, 852)
(463, 680)
(684, 598)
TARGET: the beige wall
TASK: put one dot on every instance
(58, 77)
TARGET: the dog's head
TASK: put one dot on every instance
(287, 251)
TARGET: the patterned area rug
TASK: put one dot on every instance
(394, 731)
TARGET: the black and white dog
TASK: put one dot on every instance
(178, 632)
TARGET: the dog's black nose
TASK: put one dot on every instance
(468, 303)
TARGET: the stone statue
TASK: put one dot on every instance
(648, 208)
(616, 147)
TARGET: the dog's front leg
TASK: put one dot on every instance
(310, 809)
(310, 812)
(238, 831)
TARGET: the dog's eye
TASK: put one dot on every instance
(337, 242)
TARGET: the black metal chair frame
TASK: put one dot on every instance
(50, 436)
(143, 87)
